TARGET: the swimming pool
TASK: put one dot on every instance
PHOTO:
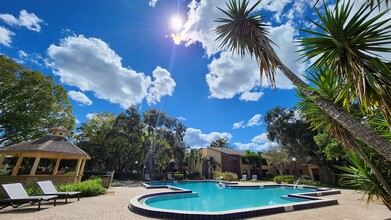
(214, 200)
(210, 196)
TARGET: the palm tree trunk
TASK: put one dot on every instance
(359, 130)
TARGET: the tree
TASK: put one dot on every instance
(193, 160)
(348, 44)
(278, 157)
(254, 159)
(327, 86)
(220, 143)
(163, 140)
(285, 128)
(244, 31)
(90, 138)
(361, 176)
(29, 103)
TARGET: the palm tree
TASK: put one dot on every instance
(360, 176)
(245, 32)
(328, 84)
(349, 46)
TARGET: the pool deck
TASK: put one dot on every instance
(114, 205)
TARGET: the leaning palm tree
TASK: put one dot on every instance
(350, 46)
(328, 84)
(245, 32)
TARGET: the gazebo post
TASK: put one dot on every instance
(77, 169)
(2, 157)
(17, 165)
(82, 169)
(56, 167)
(35, 166)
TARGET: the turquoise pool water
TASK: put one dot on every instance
(211, 197)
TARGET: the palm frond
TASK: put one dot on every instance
(244, 31)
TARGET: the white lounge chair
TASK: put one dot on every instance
(244, 177)
(147, 177)
(49, 189)
(18, 196)
(254, 177)
(169, 176)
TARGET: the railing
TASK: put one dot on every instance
(31, 180)
(297, 182)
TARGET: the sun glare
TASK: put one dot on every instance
(176, 23)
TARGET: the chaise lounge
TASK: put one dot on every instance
(49, 189)
(18, 196)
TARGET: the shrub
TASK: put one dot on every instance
(308, 182)
(269, 176)
(90, 187)
(228, 176)
(178, 176)
(305, 177)
(286, 179)
(31, 190)
(278, 179)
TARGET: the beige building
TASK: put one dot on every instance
(230, 160)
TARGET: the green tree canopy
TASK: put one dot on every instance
(220, 143)
(30, 102)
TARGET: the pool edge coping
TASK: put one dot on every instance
(314, 202)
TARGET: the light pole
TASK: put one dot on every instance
(294, 161)
(136, 163)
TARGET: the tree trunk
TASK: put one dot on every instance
(354, 126)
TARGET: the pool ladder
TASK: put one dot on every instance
(297, 182)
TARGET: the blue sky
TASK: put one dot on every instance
(110, 54)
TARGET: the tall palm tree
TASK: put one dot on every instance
(350, 46)
(245, 32)
(327, 84)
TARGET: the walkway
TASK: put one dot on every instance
(113, 206)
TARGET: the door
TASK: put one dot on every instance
(315, 173)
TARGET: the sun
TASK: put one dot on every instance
(176, 23)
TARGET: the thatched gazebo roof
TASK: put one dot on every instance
(54, 146)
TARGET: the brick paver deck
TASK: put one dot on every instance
(114, 204)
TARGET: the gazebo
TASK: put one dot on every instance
(54, 146)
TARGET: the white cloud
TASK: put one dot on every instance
(5, 36)
(80, 97)
(90, 116)
(25, 57)
(195, 138)
(99, 69)
(250, 96)
(258, 143)
(152, 3)
(77, 121)
(254, 121)
(237, 125)
(27, 20)
(181, 118)
(161, 86)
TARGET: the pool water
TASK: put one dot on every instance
(209, 197)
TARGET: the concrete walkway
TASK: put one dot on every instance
(113, 205)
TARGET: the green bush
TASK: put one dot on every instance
(31, 190)
(308, 182)
(305, 177)
(227, 176)
(286, 179)
(90, 187)
(178, 176)
(278, 179)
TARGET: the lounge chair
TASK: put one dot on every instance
(244, 177)
(169, 176)
(49, 189)
(147, 177)
(254, 177)
(18, 196)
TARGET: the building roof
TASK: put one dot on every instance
(49, 144)
(58, 128)
(229, 151)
